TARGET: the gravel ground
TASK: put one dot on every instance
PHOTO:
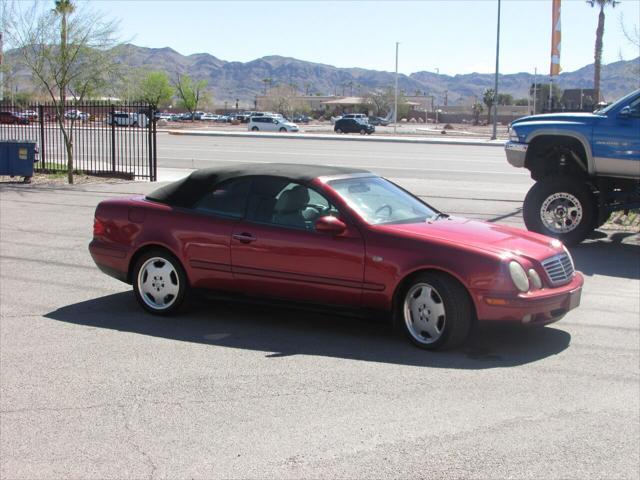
(59, 179)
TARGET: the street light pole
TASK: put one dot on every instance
(395, 103)
(495, 89)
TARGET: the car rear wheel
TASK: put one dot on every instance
(363, 131)
(159, 282)
(435, 312)
(254, 129)
(338, 130)
(560, 207)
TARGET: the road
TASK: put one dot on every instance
(465, 180)
(91, 387)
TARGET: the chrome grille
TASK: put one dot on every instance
(559, 269)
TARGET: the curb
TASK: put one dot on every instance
(352, 138)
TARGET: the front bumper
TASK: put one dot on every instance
(537, 307)
(516, 153)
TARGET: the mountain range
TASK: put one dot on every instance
(229, 80)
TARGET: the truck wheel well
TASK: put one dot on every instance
(406, 281)
(551, 155)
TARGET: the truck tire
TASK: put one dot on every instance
(560, 207)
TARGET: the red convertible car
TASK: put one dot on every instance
(332, 236)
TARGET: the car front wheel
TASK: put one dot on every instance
(560, 207)
(338, 130)
(159, 282)
(283, 130)
(254, 129)
(435, 312)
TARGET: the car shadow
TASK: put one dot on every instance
(284, 332)
(611, 255)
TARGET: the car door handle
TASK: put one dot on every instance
(244, 237)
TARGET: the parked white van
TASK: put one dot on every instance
(128, 119)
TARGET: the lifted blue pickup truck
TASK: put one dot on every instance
(586, 166)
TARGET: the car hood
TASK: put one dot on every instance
(558, 117)
(489, 237)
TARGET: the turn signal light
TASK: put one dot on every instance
(496, 301)
(99, 228)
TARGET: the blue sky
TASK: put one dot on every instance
(454, 36)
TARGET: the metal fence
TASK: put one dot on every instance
(111, 140)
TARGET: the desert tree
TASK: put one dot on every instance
(597, 63)
(153, 88)
(191, 93)
(505, 99)
(381, 101)
(477, 109)
(307, 88)
(489, 98)
(69, 53)
(284, 99)
(632, 34)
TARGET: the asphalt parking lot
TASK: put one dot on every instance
(92, 387)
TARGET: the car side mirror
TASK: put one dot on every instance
(625, 112)
(330, 225)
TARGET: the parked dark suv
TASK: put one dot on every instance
(351, 125)
(12, 118)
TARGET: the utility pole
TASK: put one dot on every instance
(395, 103)
(535, 86)
(495, 100)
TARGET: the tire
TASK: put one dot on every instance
(159, 282)
(562, 208)
(449, 313)
(338, 131)
(283, 130)
(255, 129)
(363, 131)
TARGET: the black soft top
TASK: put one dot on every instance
(187, 191)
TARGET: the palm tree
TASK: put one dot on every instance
(597, 64)
(267, 81)
(63, 8)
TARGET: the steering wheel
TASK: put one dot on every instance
(386, 206)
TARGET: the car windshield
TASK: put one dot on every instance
(380, 202)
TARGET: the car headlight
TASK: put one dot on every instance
(513, 135)
(534, 278)
(519, 276)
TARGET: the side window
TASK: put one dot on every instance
(298, 206)
(228, 199)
